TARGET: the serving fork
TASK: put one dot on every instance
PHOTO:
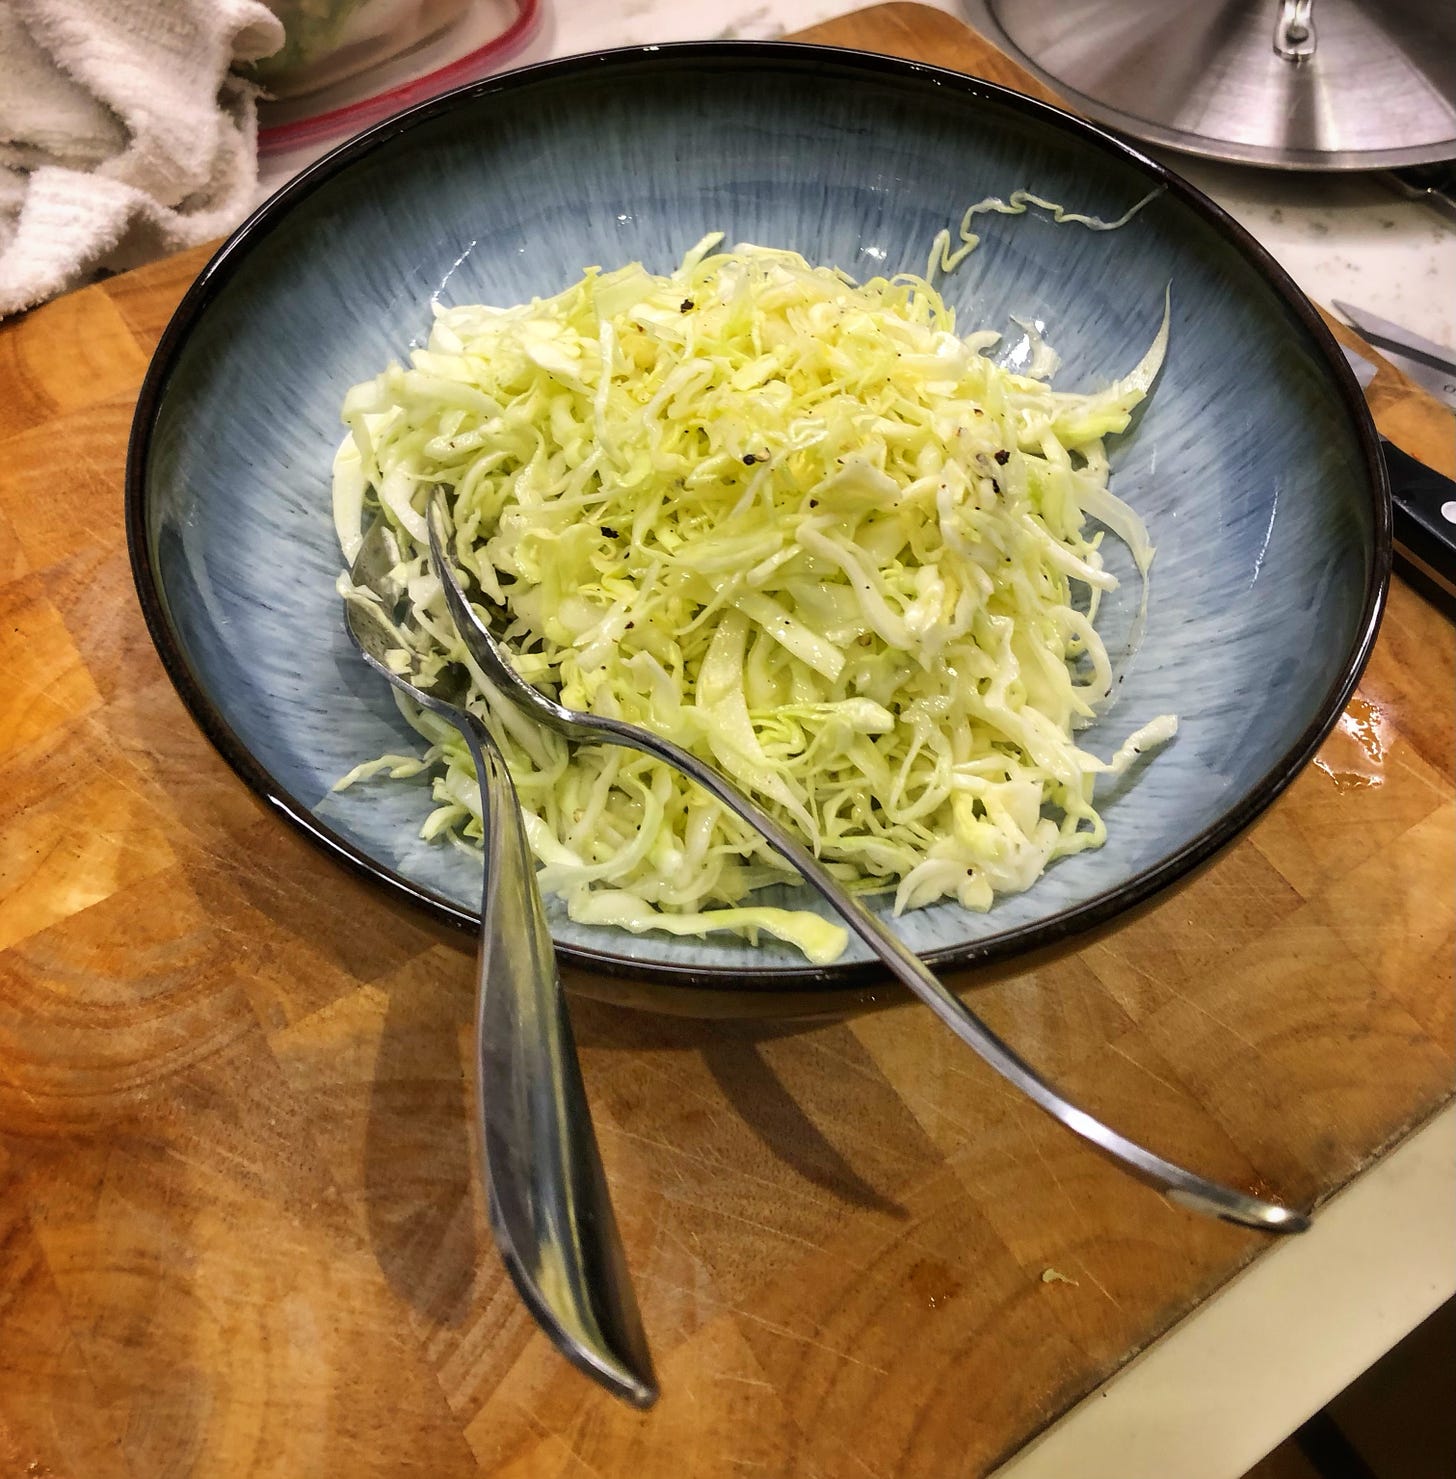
(1180, 1186)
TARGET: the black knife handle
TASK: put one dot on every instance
(1424, 506)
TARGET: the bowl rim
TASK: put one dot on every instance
(1062, 931)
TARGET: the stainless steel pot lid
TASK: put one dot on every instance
(1296, 84)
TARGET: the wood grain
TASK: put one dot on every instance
(239, 1232)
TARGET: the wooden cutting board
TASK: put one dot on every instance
(239, 1234)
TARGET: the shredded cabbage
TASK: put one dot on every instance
(796, 524)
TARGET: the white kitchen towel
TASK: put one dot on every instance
(123, 133)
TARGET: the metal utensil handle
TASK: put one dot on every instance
(550, 1206)
(1180, 1185)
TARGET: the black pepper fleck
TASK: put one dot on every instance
(749, 459)
(1003, 456)
(687, 303)
(609, 532)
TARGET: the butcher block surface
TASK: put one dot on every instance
(240, 1233)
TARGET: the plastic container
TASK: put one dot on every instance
(483, 37)
(330, 40)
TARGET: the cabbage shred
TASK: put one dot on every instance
(798, 525)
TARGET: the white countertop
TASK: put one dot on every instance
(1293, 1330)
(1236, 1377)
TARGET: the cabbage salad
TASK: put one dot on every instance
(799, 525)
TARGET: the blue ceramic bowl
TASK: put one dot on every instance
(1254, 464)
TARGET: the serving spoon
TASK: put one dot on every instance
(550, 1209)
(1183, 1187)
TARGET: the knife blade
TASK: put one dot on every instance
(1385, 334)
(1423, 505)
